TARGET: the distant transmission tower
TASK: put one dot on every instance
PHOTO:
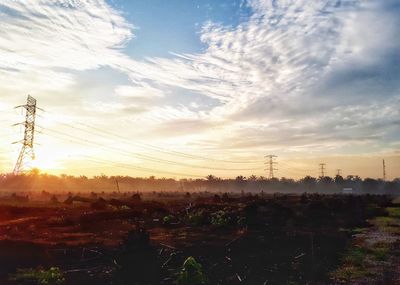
(384, 170)
(338, 172)
(271, 163)
(27, 153)
(322, 169)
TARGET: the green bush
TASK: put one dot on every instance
(356, 256)
(393, 212)
(191, 273)
(380, 253)
(220, 218)
(196, 218)
(168, 219)
(52, 276)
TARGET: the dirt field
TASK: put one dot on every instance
(236, 239)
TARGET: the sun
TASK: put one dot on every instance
(49, 156)
(45, 164)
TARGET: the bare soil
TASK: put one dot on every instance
(275, 239)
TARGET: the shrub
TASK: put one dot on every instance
(220, 218)
(356, 256)
(191, 273)
(196, 218)
(53, 276)
(380, 253)
(168, 219)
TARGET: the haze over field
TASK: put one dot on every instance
(188, 88)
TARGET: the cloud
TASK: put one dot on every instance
(44, 41)
(181, 127)
(278, 54)
(322, 74)
(75, 34)
(296, 63)
(145, 91)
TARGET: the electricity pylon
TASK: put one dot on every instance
(27, 153)
(322, 169)
(384, 170)
(271, 163)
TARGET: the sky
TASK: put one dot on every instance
(187, 88)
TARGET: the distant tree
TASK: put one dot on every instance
(391, 186)
(240, 178)
(240, 181)
(213, 182)
(211, 177)
(34, 171)
(252, 178)
(285, 180)
(54, 199)
(370, 185)
(309, 182)
(339, 180)
(325, 180)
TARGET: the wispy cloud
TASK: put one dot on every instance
(145, 91)
(293, 74)
(42, 42)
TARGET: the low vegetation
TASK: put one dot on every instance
(51, 276)
(372, 256)
(191, 273)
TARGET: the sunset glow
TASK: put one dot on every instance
(194, 90)
(199, 142)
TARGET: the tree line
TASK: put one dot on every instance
(35, 181)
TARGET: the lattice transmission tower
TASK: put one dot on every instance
(322, 170)
(384, 170)
(27, 153)
(270, 163)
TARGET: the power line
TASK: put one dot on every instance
(154, 159)
(294, 171)
(139, 168)
(124, 165)
(103, 132)
(143, 156)
(298, 168)
(167, 151)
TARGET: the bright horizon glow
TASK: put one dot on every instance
(128, 86)
(45, 165)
